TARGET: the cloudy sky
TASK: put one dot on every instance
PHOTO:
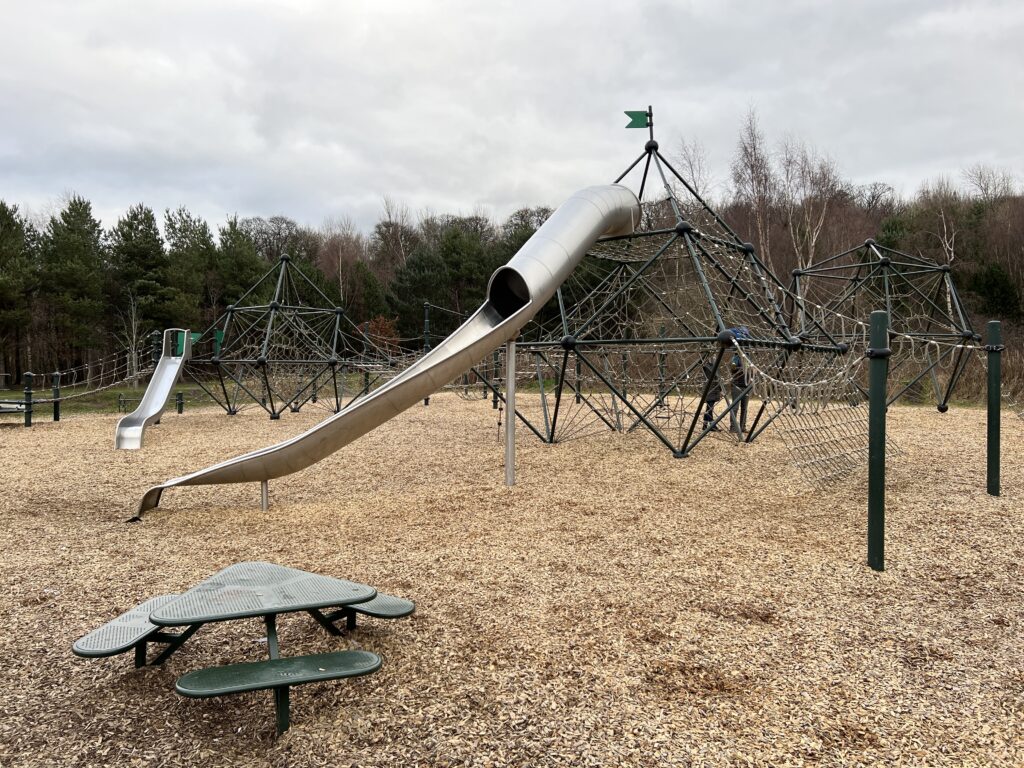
(319, 109)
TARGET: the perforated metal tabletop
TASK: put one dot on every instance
(258, 589)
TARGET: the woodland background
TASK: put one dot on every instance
(72, 290)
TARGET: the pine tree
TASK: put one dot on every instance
(71, 277)
(141, 269)
(18, 282)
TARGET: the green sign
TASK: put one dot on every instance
(637, 119)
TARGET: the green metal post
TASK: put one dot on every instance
(156, 352)
(179, 402)
(281, 705)
(994, 349)
(56, 395)
(28, 399)
(426, 338)
(878, 376)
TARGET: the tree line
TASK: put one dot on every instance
(72, 291)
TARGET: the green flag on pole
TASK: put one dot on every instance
(637, 118)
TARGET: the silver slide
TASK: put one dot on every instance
(515, 293)
(130, 428)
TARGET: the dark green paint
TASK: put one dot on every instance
(995, 348)
(878, 375)
(637, 118)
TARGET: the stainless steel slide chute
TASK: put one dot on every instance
(515, 293)
(130, 429)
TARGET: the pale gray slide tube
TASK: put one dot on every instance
(130, 429)
(515, 293)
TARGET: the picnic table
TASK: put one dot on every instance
(250, 590)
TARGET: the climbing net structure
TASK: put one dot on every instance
(1013, 388)
(930, 334)
(283, 344)
(682, 331)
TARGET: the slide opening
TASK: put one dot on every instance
(508, 292)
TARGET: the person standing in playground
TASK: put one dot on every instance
(739, 381)
(713, 396)
(738, 390)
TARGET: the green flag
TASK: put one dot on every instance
(637, 119)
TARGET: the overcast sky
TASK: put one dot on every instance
(317, 109)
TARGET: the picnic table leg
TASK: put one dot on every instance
(325, 621)
(174, 642)
(272, 647)
(140, 654)
(281, 705)
(348, 613)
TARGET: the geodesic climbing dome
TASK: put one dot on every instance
(283, 345)
(682, 331)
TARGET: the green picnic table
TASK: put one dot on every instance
(250, 590)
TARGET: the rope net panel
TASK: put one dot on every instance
(920, 300)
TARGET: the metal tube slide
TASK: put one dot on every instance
(515, 293)
(130, 429)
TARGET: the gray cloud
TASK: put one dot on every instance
(318, 109)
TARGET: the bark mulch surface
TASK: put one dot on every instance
(616, 607)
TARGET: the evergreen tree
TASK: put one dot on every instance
(141, 271)
(71, 280)
(237, 266)
(18, 282)
(368, 299)
(192, 257)
(423, 278)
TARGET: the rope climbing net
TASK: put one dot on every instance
(681, 330)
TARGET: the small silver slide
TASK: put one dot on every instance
(130, 428)
(515, 293)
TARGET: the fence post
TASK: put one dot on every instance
(994, 349)
(156, 345)
(28, 398)
(878, 354)
(179, 402)
(56, 395)
(426, 338)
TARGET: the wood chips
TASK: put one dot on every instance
(616, 607)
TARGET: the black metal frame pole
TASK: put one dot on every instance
(994, 348)
(56, 395)
(878, 353)
(28, 378)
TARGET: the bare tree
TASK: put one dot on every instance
(754, 180)
(393, 240)
(695, 166)
(341, 246)
(941, 198)
(810, 184)
(988, 182)
(875, 196)
(130, 335)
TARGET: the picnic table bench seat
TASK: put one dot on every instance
(131, 629)
(277, 674)
(380, 607)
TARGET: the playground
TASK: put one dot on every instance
(617, 606)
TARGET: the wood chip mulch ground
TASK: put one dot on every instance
(616, 607)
